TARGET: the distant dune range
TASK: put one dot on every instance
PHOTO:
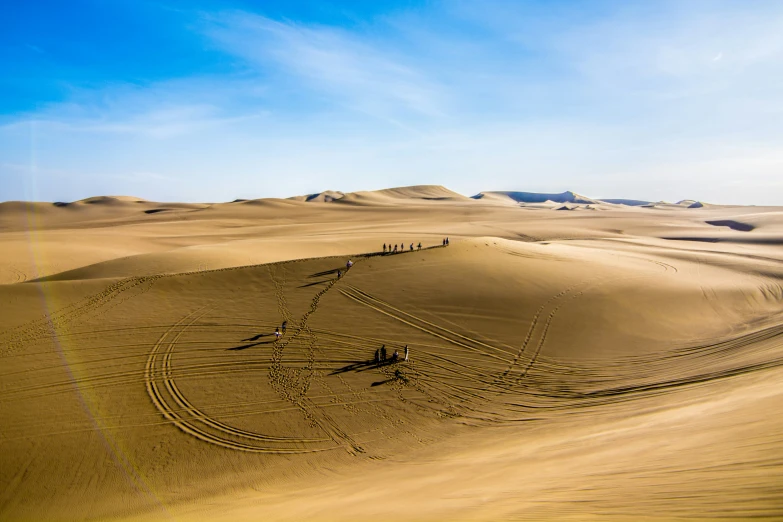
(570, 358)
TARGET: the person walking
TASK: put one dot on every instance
(384, 248)
(285, 323)
(395, 356)
(411, 247)
(444, 241)
(419, 245)
(383, 353)
(447, 241)
(377, 356)
(339, 274)
(348, 265)
(395, 249)
(406, 353)
(277, 333)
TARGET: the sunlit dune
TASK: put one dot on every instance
(569, 358)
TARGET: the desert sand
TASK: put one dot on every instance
(571, 358)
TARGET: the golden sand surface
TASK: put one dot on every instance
(605, 362)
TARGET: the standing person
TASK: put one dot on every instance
(395, 356)
(411, 247)
(277, 333)
(285, 323)
(348, 265)
(447, 241)
(419, 245)
(406, 353)
(339, 274)
(384, 248)
(395, 249)
(383, 352)
(444, 241)
(377, 356)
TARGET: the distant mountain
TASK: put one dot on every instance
(629, 202)
(536, 197)
(321, 197)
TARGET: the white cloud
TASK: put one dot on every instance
(360, 74)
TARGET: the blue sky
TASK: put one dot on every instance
(212, 101)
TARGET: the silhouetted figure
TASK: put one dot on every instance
(383, 352)
(395, 356)
(419, 245)
(285, 323)
(447, 241)
(339, 274)
(377, 356)
(411, 247)
(384, 248)
(444, 241)
(406, 353)
(395, 249)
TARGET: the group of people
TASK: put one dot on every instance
(393, 249)
(398, 248)
(380, 355)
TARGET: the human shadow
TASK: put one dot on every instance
(355, 367)
(325, 281)
(362, 366)
(256, 337)
(379, 383)
(327, 272)
(399, 376)
(246, 346)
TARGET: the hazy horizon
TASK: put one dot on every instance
(214, 101)
(469, 196)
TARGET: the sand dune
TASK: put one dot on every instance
(534, 197)
(616, 364)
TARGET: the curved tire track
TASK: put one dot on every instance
(193, 421)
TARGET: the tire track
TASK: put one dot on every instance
(534, 324)
(187, 418)
(387, 309)
(59, 320)
(180, 399)
(542, 340)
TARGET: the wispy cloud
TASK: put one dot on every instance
(352, 70)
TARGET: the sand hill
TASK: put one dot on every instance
(535, 197)
(612, 362)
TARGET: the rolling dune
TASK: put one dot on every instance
(615, 365)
